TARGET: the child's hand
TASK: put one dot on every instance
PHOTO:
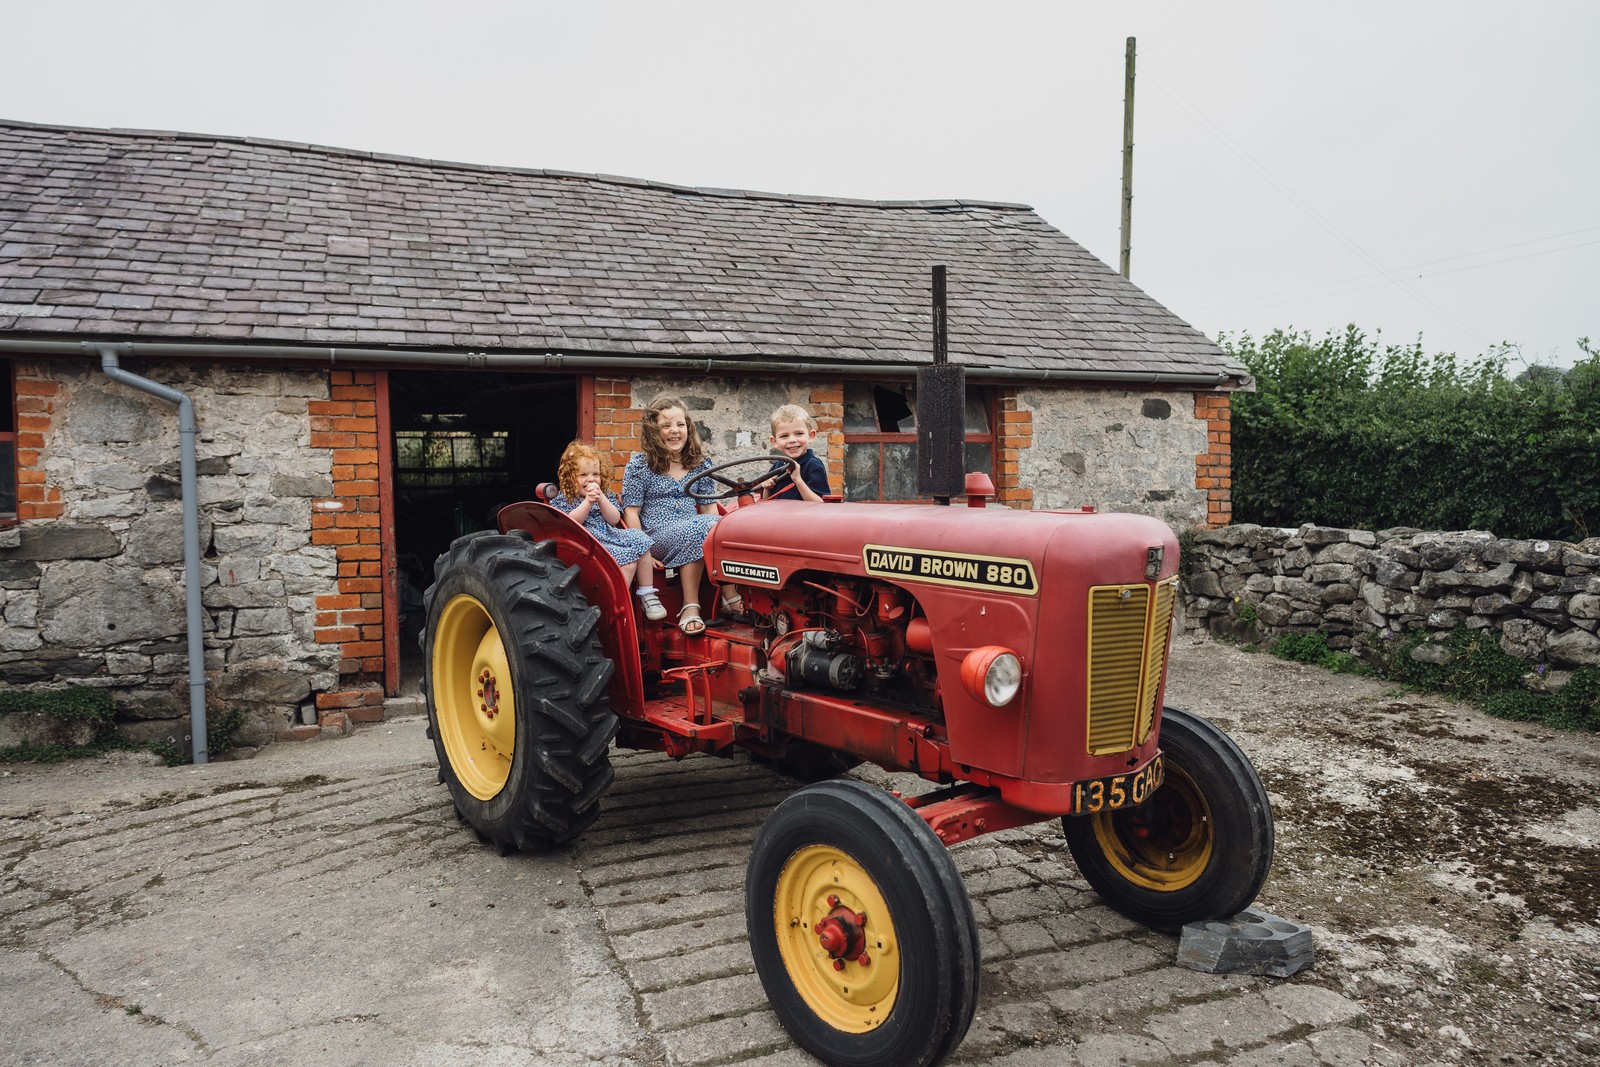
(592, 494)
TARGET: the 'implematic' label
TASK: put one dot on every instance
(999, 573)
(759, 573)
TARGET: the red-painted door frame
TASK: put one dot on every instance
(391, 582)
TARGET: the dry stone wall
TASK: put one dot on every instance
(1358, 587)
(96, 596)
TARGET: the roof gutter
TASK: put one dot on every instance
(560, 361)
(188, 427)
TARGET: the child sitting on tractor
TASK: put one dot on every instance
(792, 430)
(580, 480)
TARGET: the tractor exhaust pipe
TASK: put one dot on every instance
(941, 411)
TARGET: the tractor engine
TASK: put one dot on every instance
(848, 635)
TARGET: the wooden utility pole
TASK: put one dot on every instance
(1127, 161)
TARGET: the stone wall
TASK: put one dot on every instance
(1143, 451)
(1541, 597)
(94, 594)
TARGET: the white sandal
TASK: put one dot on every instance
(732, 602)
(691, 624)
(653, 609)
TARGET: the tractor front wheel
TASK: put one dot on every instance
(515, 681)
(1198, 848)
(861, 928)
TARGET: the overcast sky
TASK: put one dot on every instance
(1420, 168)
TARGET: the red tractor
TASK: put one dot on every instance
(1016, 659)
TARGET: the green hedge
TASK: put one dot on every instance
(1344, 432)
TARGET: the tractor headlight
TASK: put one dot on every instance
(992, 674)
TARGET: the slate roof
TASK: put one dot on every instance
(139, 235)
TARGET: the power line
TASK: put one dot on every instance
(1305, 207)
(1269, 299)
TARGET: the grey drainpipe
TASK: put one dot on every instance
(187, 427)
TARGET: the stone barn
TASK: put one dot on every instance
(367, 355)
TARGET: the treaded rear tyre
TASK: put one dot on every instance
(515, 681)
(1199, 848)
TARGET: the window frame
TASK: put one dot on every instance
(879, 438)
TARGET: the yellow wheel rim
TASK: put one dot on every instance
(845, 993)
(1163, 844)
(472, 699)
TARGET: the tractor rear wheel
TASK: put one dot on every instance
(1199, 848)
(515, 681)
(861, 928)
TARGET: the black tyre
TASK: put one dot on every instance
(1199, 848)
(861, 929)
(515, 681)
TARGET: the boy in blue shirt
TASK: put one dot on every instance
(792, 430)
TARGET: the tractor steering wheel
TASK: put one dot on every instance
(735, 487)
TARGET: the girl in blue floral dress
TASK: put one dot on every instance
(653, 498)
(581, 477)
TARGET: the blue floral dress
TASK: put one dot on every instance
(673, 521)
(624, 543)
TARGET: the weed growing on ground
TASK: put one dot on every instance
(1469, 665)
(81, 704)
(1313, 648)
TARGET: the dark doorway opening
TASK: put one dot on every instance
(465, 444)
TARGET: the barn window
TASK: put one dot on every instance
(880, 439)
(8, 445)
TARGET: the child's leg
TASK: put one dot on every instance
(689, 619)
(627, 573)
(653, 608)
(689, 574)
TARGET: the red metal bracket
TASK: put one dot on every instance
(967, 811)
(696, 679)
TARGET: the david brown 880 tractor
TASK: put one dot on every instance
(1017, 659)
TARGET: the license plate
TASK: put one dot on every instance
(1119, 790)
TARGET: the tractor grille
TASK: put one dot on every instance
(1127, 651)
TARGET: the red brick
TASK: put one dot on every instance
(366, 715)
(338, 635)
(300, 733)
